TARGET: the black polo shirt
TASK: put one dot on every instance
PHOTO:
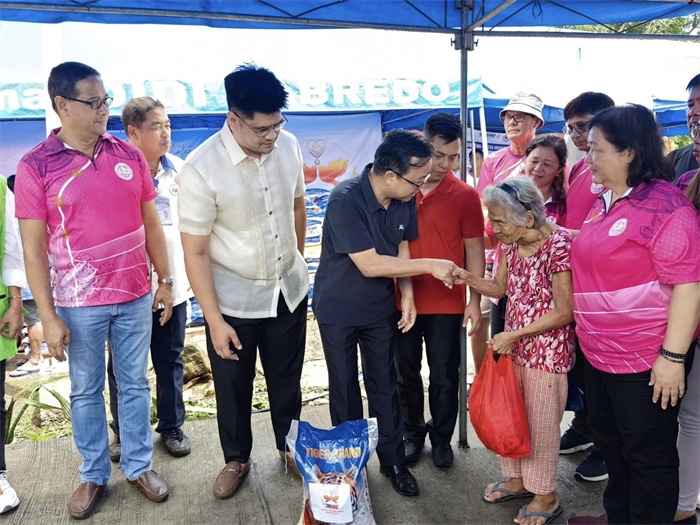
(356, 222)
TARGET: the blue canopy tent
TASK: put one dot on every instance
(671, 116)
(465, 19)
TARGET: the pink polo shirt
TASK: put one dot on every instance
(498, 167)
(581, 195)
(92, 209)
(625, 264)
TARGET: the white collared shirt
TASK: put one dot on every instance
(246, 206)
(166, 202)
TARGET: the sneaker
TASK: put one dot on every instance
(176, 442)
(572, 442)
(592, 468)
(115, 449)
(8, 496)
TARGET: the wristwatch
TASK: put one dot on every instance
(167, 280)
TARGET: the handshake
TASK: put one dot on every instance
(449, 273)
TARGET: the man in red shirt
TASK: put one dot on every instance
(451, 226)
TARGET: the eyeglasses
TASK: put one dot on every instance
(517, 117)
(262, 132)
(416, 184)
(578, 127)
(94, 104)
(694, 129)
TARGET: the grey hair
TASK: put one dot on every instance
(521, 196)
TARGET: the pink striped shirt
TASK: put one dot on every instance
(625, 263)
(92, 209)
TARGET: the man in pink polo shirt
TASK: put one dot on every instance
(581, 196)
(87, 199)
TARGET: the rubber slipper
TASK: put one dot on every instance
(509, 494)
(551, 516)
(21, 372)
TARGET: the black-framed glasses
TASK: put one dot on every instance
(418, 185)
(578, 127)
(94, 104)
(261, 132)
(694, 129)
(517, 117)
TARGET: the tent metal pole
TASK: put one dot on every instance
(465, 43)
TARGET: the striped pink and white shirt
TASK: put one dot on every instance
(92, 208)
(625, 263)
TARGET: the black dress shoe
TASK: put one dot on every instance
(401, 478)
(413, 448)
(176, 442)
(443, 455)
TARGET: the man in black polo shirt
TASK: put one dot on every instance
(369, 221)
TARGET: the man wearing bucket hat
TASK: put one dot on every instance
(521, 119)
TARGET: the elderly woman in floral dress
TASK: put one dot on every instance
(535, 273)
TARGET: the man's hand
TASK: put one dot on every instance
(12, 321)
(668, 380)
(472, 314)
(408, 313)
(442, 269)
(163, 298)
(222, 337)
(57, 337)
(502, 343)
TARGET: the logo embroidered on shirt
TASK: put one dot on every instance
(123, 171)
(618, 227)
(596, 188)
(173, 189)
(401, 227)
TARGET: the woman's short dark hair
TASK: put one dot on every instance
(64, 77)
(558, 146)
(252, 89)
(398, 149)
(633, 126)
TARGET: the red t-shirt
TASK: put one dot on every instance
(446, 216)
(581, 195)
(531, 296)
(626, 262)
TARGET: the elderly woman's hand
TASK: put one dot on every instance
(668, 380)
(461, 276)
(502, 343)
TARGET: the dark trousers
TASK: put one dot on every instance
(376, 342)
(281, 341)
(441, 335)
(577, 376)
(638, 441)
(498, 316)
(3, 415)
(167, 342)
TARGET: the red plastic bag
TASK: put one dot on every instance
(497, 410)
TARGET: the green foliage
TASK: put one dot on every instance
(682, 25)
(27, 398)
(680, 141)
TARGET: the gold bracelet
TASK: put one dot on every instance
(15, 297)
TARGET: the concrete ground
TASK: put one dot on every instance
(45, 475)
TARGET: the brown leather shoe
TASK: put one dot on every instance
(84, 500)
(290, 463)
(230, 478)
(152, 486)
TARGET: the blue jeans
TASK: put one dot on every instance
(128, 328)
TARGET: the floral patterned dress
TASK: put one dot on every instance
(530, 297)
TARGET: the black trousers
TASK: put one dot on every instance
(638, 441)
(376, 343)
(167, 343)
(281, 341)
(498, 316)
(441, 335)
(3, 415)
